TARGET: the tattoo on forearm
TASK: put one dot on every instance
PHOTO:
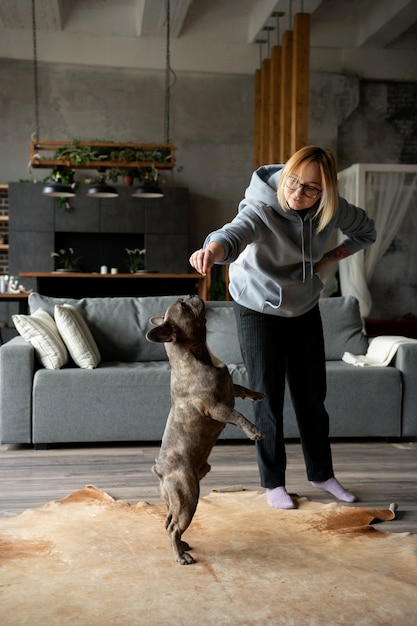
(341, 252)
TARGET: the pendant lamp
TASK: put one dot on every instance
(101, 189)
(146, 191)
(56, 188)
(148, 188)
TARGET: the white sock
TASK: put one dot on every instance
(335, 488)
(279, 498)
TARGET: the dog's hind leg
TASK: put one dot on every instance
(180, 547)
(181, 496)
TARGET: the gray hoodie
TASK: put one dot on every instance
(272, 252)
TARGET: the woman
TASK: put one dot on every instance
(276, 245)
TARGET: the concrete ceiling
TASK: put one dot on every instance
(375, 39)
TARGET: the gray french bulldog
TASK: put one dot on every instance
(202, 403)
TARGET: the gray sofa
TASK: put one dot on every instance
(127, 397)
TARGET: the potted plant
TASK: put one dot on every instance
(65, 260)
(135, 260)
(127, 177)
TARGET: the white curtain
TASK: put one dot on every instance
(388, 196)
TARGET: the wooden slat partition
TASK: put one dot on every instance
(286, 96)
(282, 96)
(300, 81)
(265, 91)
(275, 105)
(257, 121)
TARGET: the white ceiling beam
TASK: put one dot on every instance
(385, 22)
(18, 15)
(153, 14)
(12, 14)
(261, 16)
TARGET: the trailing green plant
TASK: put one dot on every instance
(63, 203)
(144, 175)
(78, 155)
(64, 174)
(147, 176)
(66, 259)
(138, 155)
(123, 154)
(113, 175)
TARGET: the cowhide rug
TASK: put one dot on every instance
(90, 560)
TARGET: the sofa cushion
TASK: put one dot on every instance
(112, 402)
(118, 325)
(342, 326)
(222, 336)
(40, 330)
(77, 336)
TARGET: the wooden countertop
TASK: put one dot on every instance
(21, 295)
(203, 282)
(58, 274)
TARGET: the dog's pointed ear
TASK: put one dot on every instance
(157, 320)
(164, 333)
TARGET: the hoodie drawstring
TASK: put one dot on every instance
(303, 249)
(311, 248)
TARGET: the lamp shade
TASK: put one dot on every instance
(58, 190)
(101, 190)
(147, 191)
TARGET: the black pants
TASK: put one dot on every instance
(278, 348)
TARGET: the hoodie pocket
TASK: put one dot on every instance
(294, 299)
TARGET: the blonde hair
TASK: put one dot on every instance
(326, 161)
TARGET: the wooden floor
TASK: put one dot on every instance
(378, 473)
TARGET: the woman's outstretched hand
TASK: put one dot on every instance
(203, 260)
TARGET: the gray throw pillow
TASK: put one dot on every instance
(342, 325)
(118, 325)
(222, 337)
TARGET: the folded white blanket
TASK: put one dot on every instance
(380, 352)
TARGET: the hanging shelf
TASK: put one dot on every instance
(93, 154)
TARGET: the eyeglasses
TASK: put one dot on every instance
(292, 182)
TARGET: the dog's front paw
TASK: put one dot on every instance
(257, 395)
(258, 436)
(254, 433)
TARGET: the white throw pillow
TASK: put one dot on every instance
(40, 330)
(77, 336)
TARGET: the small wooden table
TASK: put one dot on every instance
(82, 284)
(21, 298)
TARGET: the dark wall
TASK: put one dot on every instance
(37, 226)
(382, 128)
